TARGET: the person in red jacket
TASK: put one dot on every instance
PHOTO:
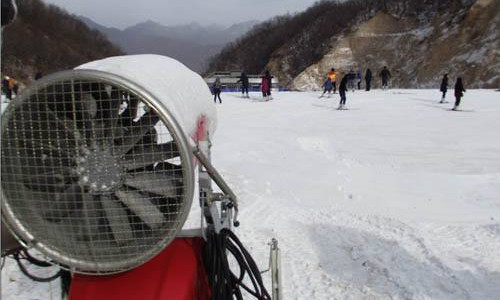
(266, 85)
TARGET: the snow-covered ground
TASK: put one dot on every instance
(395, 198)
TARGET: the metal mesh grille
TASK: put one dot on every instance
(91, 170)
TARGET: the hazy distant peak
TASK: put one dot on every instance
(191, 43)
(146, 26)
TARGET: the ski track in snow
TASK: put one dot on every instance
(396, 198)
(334, 249)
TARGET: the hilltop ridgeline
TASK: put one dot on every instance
(417, 40)
(45, 38)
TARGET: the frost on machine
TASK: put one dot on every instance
(99, 169)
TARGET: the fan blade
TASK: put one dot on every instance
(145, 156)
(91, 215)
(64, 123)
(53, 146)
(117, 219)
(40, 129)
(41, 110)
(47, 119)
(159, 183)
(108, 104)
(89, 104)
(136, 132)
(65, 100)
(38, 159)
(174, 171)
(142, 207)
(46, 183)
(63, 204)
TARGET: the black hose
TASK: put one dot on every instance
(36, 262)
(224, 284)
(17, 256)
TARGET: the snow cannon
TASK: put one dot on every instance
(97, 162)
(100, 165)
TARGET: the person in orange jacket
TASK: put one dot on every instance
(333, 77)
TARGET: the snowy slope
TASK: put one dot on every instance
(396, 198)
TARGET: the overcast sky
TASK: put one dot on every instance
(123, 13)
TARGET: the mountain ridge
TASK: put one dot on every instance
(192, 44)
(421, 41)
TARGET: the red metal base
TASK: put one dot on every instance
(177, 273)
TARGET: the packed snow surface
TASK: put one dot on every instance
(395, 198)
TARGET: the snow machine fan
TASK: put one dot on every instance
(97, 173)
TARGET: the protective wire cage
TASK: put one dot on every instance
(96, 173)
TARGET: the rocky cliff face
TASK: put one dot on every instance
(461, 39)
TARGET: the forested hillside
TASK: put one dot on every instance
(418, 40)
(44, 38)
(307, 33)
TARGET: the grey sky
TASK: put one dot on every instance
(123, 13)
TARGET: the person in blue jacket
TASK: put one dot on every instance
(328, 87)
(359, 76)
(351, 76)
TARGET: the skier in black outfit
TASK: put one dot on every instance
(5, 87)
(385, 75)
(244, 84)
(15, 88)
(444, 87)
(216, 87)
(342, 91)
(459, 92)
(368, 79)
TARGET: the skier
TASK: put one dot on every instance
(15, 87)
(459, 92)
(444, 87)
(385, 75)
(38, 75)
(328, 86)
(333, 77)
(244, 84)
(368, 79)
(7, 87)
(359, 76)
(266, 85)
(351, 76)
(216, 87)
(342, 91)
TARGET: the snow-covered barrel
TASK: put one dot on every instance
(183, 92)
(97, 162)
